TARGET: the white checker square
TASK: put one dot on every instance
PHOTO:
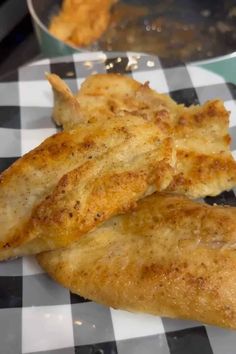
(132, 325)
(156, 78)
(80, 57)
(46, 328)
(198, 76)
(231, 106)
(30, 138)
(137, 54)
(10, 142)
(40, 62)
(35, 94)
(31, 266)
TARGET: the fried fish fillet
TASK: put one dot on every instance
(170, 257)
(77, 179)
(205, 165)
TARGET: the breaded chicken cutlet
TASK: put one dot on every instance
(122, 142)
(77, 179)
(204, 163)
(170, 257)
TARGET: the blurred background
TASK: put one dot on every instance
(175, 30)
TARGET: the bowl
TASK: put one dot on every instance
(41, 12)
(176, 30)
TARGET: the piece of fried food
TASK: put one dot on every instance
(77, 179)
(205, 165)
(170, 257)
(81, 22)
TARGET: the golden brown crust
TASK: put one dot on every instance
(170, 257)
(101, 170)
(106, 96)
(202, 175)
(66, 105)
(205, 165)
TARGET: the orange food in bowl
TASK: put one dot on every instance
(81, 22)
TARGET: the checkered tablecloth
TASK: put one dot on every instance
(36, 314)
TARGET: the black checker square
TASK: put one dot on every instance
(76, 299)
(65, 70)
(11, 292)
(88, 67)
(186, 96)
(171, 62)
(99, 348)
(113, 65)
(12, 76)
(10, 117)
(225, 198)
(232, 89)
(189, 341)
(6, 162)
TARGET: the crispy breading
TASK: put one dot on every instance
(205, 165)
(170, 257)
(103, 96)
(77, 179)
(66, 108)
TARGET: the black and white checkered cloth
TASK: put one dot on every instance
(36, 314)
